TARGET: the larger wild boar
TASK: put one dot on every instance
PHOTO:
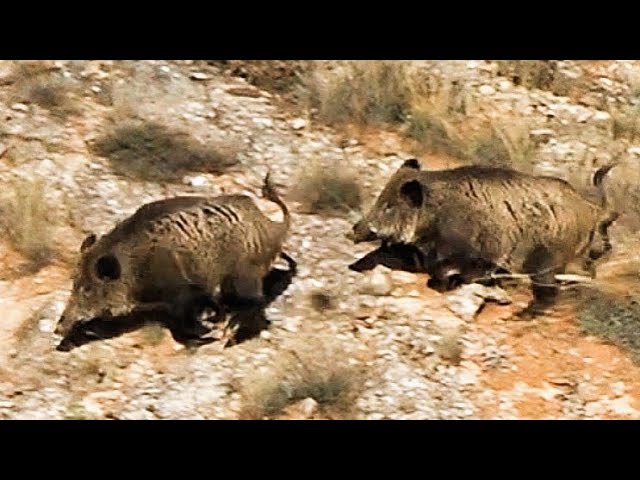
(177, 255)
(514, 221)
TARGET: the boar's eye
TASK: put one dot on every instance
(108, 268)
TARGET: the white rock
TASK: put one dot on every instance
(298, 123)
(601, 116)
(20, 107)
(467, 300)
(504, 85)
(587, 392)
(467, 378)
(618, 388)
(262, 121)
(472, 64)
(199, 76)
(378, 284)
(487, 90)
(622, 406)
(308, 407)
(197, 181)
(542, 134)
(266, 335)
(46, 326)
(633, 151)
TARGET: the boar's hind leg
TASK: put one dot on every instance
(276, 282)
(246, 324)
(543, 266)
(243, 290)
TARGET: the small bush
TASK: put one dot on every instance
(39, 83)
(529, 73)
(364, 92)
(28, 328)
(327, 190)
(504, 146)
(151, 151)
(28, 221)
(279, 75)
(613, 318)
(315, 369)
(430, 127)
(450, 348)
(626, 123)
(321, 301)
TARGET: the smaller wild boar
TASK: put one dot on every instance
(179, 255)
(491, 217)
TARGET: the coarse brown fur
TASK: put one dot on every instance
(517, 222)
(175, 254)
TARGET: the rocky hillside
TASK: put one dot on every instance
(84, 143)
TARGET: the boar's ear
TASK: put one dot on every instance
(87, 242)
(413, 192)
(108, 268)
(411, 163)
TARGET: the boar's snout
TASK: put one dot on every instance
(361, 233)
(64, 325)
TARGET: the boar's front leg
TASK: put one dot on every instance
(185, 316)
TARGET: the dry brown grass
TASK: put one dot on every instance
(544, 75)
(40, 83)
(529, 73)
(328, 190)
(450, 348)
(626, 123)
(363, 92)
(322, 301)
(28, 328)
(613, 318)
(29, 222)
(152, 151)
(313, 367)
(506, 145)
(432, 126)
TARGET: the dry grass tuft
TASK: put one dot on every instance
(613, 318)
(40, 83)
(28, 221)
(321, 189)
(432, 127)
(626, 123)
(450, 348)
(316, 368)
(529, 73)
(363, 92)
(29, 328)
(152, 151)
(507, 145)
(321, 301)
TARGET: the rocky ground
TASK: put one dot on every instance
(341, 344)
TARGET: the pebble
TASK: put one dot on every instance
(20, 107)
(487, 90)
(298, 123)
(199, 76)
(197, 181)
(378, 284)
